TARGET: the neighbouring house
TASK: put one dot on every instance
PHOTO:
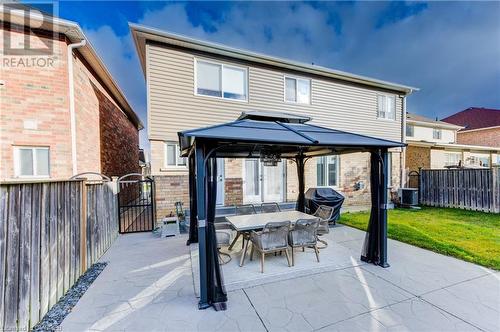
(193, 83)
(61, 112)
(433, 144)
(481, 126)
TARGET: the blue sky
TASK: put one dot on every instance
(450, 50)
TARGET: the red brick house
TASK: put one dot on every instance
(481, 126)
(61, 111)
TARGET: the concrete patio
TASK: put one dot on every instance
(148, 285)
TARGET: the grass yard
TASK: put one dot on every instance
(468, 235)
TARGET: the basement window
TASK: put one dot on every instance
(173, 155)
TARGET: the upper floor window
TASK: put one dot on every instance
(297, 90)
(327, 171)
(220, 80)
(31, 161)
(173, 155)
(386, 107)
(410, 130)
(437, 133)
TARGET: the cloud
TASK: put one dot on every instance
(450, 50)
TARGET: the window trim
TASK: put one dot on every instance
(222, 65)
(17, 162)
(296, 78)
(386, 95)
(337, 186)
(165, 158)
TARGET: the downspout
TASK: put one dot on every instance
(402, 155)
(71, 47)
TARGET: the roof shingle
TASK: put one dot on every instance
(475, 118)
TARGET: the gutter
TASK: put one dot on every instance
(71, 84)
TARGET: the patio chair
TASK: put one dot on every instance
(269, 207)
(304, 235)
(324, 213)
(242, 210)
(223, 234)
(272, 238)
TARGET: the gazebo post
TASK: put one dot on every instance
(299, 160)
(200, 203)
(193, 221)
(383, 208)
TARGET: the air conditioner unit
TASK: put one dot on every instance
(408, 196)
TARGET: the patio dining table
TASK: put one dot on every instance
(244, 224)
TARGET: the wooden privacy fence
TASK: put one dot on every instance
(50, 233)
(471, 189)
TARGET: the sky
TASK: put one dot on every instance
(450, 50)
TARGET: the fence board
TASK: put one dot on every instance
(35, 253)
(4, 215)
(24, 257)
(12, 265)
(471, 189)
(45, 250)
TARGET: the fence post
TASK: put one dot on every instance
(83, 228)
(495, 189)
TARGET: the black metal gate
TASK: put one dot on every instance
(136, 206)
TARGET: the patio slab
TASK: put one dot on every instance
(148, 285)
(410, 315)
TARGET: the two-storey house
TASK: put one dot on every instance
(61, 111)
(193, 83)
(433, 144)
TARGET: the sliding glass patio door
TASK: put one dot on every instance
(262, 183)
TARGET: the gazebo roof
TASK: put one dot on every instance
(280, 132)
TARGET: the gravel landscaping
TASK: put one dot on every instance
(63, 307)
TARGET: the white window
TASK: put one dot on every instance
(30, 161)
(452, 158)
(437, 133)
(173, 155)
(386, 107)
(410, 130)
(297, 90)
(327, 171)
(220, 80)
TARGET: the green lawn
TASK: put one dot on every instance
(471, 236)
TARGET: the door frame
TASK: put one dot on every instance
(221, 171)
(261, 182)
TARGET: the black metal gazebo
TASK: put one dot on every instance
(270, 137)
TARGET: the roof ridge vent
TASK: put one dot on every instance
(274, 116)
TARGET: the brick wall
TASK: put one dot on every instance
(417, 157)
(233, 191)
(171, 189)
(38, 94)
(486, 137)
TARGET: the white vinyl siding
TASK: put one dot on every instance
(328, 171)
(297, 90)
(386, 106)
(172, 156)
(31, 161)
(220, 80)
(173, 108)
